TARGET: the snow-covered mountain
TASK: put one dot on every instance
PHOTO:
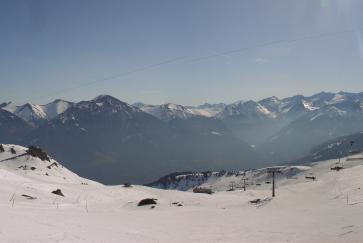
(168, 111)
(255, 122)
(294, 124)
(28, 112)
(291, 107)
(56, 108)
(341, 115)
(17, 163)
(104, 104)
(312, 204)
(34, 113)
(266, 109)
(249, 110)
(207, 110)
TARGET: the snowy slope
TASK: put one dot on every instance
(208, 110)
(55, 108)
(21, 164)
(328, 209)
(169, 111)
(33, 113)
(27, 112)
(246, 110)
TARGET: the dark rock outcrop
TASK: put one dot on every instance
(147, 201)
(38, 153)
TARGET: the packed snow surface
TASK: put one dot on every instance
(328, 209)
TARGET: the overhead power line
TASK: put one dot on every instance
(197, 59)
(270, 43)
(136, 70)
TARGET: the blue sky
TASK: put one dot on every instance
(56, 49)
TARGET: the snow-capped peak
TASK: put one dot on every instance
(309, 105)
(168, 111)
(246, 109)
(32, 113)
(339, 97)
(55, 108)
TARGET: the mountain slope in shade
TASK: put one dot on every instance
(12, 128)
(103, 139)
(331, 121)
(335, 148)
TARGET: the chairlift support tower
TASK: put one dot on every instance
(273, 171)
(244, 183)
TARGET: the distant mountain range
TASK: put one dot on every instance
(113, 142)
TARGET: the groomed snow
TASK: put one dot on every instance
(328, 209)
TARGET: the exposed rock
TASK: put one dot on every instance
(147, 201)
(202, 190)
(179, 204)
(12, 150)
(38, 153)
(255, 201)
(58, 192)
